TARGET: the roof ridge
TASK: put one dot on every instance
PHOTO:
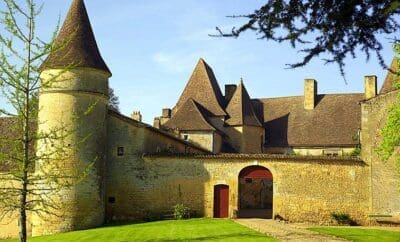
(75, 44)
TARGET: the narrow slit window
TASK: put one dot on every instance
(120, 151)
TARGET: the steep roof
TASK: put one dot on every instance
(240, 109)
(191, 116)
(388, 84)
(204, 89)
(335, 121)
(76, 45)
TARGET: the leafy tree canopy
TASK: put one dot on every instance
(333, 27)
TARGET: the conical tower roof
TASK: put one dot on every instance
(191, 116)
(204, 89)
(390, 77)
(76, 45)
(240, 109)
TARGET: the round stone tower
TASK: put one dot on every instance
(72, 122)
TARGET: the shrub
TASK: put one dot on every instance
(181, 211)
(341, 218)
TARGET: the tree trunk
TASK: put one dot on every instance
(22, 213)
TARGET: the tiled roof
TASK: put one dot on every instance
(390, 77)
(191, 116)
(240, 109)
(335, 121)
(75, 45)
(204, 89)
(275, 157)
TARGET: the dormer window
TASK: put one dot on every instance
(186, 137)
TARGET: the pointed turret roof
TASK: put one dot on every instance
(76, 45)
(204, 89)
(191, 116)
(390, 77)
(240, 108)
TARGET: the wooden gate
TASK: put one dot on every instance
(221, 201)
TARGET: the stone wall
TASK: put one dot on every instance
(304, 189)
(204, 139)
(127, 175)
(385, 179)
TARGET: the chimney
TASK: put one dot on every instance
(229, 91)
(136, 115)
(166, 113)
(165, 116)
(310, 94)
(156, 123)
(370, 86)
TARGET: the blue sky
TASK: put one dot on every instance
(151, 47)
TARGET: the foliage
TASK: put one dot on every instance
(356, 151)
(181, 211)
(334, 28)
(390, 132)
(361, 235)
(171, 230)
(31, 180)
(341, 218)
(113, 101)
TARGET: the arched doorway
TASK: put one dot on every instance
(255, 192)
(221, 201)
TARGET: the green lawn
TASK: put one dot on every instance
(358, 234)
(182, 230)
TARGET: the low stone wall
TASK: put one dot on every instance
(304, 189)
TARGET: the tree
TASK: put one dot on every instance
(335, 28)
(24, 187)
(113, 101)
(390, 132)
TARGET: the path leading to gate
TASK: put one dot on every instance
(284, 231)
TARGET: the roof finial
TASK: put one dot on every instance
(241, 80)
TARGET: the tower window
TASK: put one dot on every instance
(120, 151)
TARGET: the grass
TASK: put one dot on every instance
(172, 230)
(358, 234)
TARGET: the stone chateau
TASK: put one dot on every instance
(299, 158)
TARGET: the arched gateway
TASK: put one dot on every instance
(255, 192)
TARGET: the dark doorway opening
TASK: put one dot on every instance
(255, 192)
(221, 201)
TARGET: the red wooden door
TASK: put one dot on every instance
(221, 201)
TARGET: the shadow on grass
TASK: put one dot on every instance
(236, 236)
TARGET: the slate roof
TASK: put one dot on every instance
(240, 109)
(76, 45)
(203, 88)
(191, 116)
(390, 77)
(335, 121)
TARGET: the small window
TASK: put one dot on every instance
(186, 137)
(120, 151)
(111, 199)
(248, 180)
